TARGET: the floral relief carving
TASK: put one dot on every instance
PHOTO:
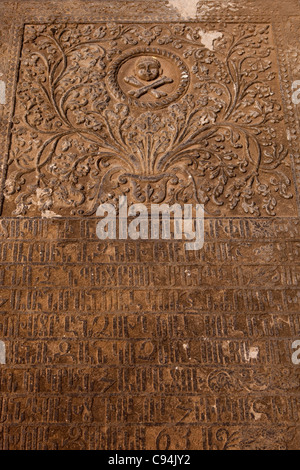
(206, 126)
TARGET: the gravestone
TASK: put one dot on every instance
(142, 344)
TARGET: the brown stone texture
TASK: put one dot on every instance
(142, 344)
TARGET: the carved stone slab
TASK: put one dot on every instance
(142, 344)
(178, 112)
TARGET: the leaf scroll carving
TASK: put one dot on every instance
(220, 141)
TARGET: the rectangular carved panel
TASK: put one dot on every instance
(135, 345)
(165, 113)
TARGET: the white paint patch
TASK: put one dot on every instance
(296, 354)
(2, 91)
(255, 415)
(253, 353)
(208, 38)
(2, 353)
(186, 8)
(40, 194)
(50, 214)
(296, 94)
(226, 348)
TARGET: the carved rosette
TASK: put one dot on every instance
(156, 112)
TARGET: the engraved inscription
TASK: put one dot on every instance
(135, 345)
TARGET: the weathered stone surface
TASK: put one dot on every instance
(142, 344)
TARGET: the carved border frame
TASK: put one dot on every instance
(20, 13)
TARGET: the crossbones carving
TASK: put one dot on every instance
(148, 69)
(144, 89)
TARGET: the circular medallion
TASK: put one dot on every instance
(148, 77)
